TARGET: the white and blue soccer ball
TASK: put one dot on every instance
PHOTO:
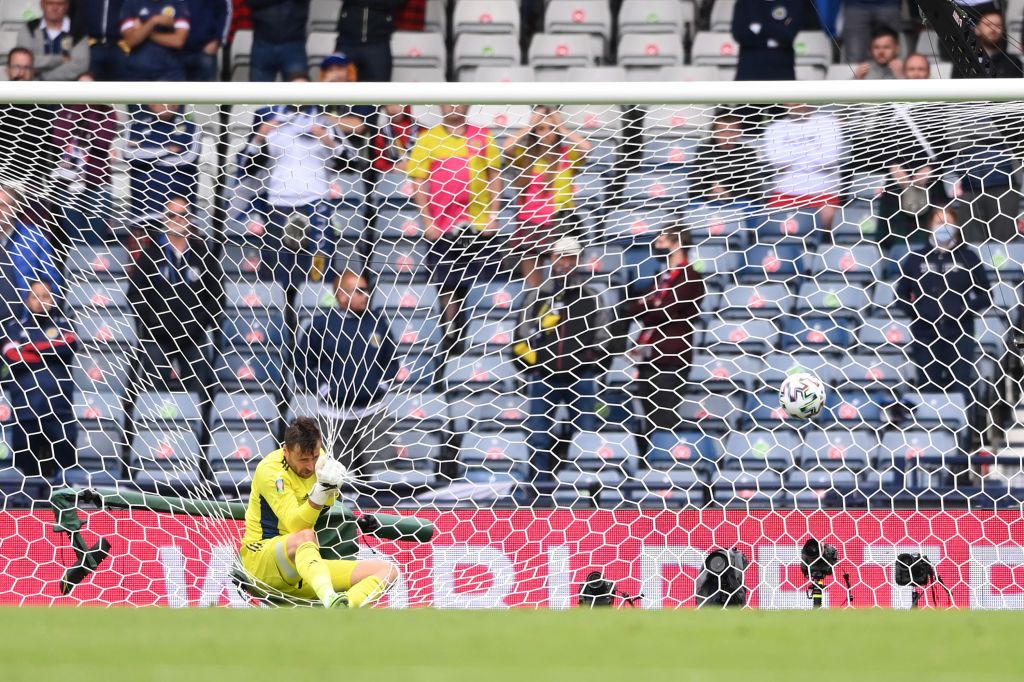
(802, 395)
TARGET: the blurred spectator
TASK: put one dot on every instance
(561, 344)
(943, 288)
(209, 23)
(102, 22)
(364, 33)
(349, 119)
(861, 19)
(395, 139)
(347, 358)
(765, 32)
(412, 16)
(162, 151)
(726, 169)
(26, 155)
(545, 158)
(278, 38)
(917, 67)
(155, 32)
(61, 52)
(884, 63)
(992, 37)
(39, 348)
(457, 170)
(83, 134)
(805, 150)
(25, 256)
(989, 183)
(667, 314)
(176, 293)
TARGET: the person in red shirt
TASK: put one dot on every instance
(667, 313)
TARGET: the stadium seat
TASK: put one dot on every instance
(686, 73)
(762, 410)
(418, 49)
(740, 488)
(97, 446)
(17, 12)
(485, 335)
(820, 488)
(255, 332)
(488, 411)
(937, 409)
(418, 450)
(319, 45)
(647, 50)
(97, 263)
(762, 300)
(655, 16)
(249, 371)
(244, 410)
(838, 448)
(721, 15)
(6, 410)
(592, 74)
(315, 297)
(472, 50)
(874, 372)
(402, 261)
(589, 17)
(499, 300)
(711, 414)
(110, 330)
(500, 119)
(813, 48)
(503, 452)
(797, 226)
(417, 334)
(503, 74)
(161, 409)
(435, 20)
(405, 299)
(416, 372)
(323, 15)
(714, 48)
(711, 260)
(778, 366)
(836, 299)
(913, 447)
(597, 452)
(88, 297)
(754, 336)
(782, 262)
(853, 409)
(632, 224)
(991, 333)
(668, 151)
(250, 296)
(241, 54)
(622, 371)
(723, 374)
(101, 372)
(103, 410)
(242, 262)
(233, 455)
(823, 334)
(485, 16)
(417, 74)
(470, 373)
(673, 489)
(691, 449)
(426, 411)
(594, 122)
(561, 51)
(859, 265)
(714, 225)
(166, 460)
(656, 188)
(16, 491)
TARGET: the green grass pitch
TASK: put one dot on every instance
(285, 645)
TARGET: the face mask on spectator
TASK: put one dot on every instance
(944, 236)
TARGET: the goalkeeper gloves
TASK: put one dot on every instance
(330, 474)
(550, 321)
(525, 353)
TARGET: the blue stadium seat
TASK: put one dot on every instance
(861, 264)
(622, 371)
(97, 453)
(348, 223)
(485, 335)
(416, 372)
(94, 410)
(392, 222)
(98, 372)
(604, 262)
(822, 334)
(16, 491)
(820, 488)
(854, 222)
(614, 451)
(762, 409)
(254, 331)
(673, 489)
(6, 410)
(917, 447)
(781, 262)
(712, 414)
(418, 449)
(91, 296)
(241, 410)
(395, 188)
(166, 460)
(711, 224)
(883, 298)
(873, 372)
(108, 331)
(426, 411)
(242, 262)
(837, 299)
(416, 334)
(937, 409)
(160, 409)
(233, 455)
(1005, 298)
(97, 263)
(838, 448)
(714, 260)
(405, 299)
(885, 336)
(798, 226)
(758, 449)
(402, 260)
(489, 411)
(1003, 262)
(641, 268)
(636, 224)
(248, 296)
(495, 452)
(348, 186)
(778, 366)
(738, 488)
(853, 409)
(249, 371)
(669, 153)
(479, 372)
(723, 374)
(682, 449)
(314, 297)
(656, 188)
(496, 300)
(740, 336)
(763, 300)
(990, 331)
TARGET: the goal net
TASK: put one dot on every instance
(554, 329)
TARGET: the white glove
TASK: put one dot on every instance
(330, 474)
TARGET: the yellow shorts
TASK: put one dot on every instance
(267, 561)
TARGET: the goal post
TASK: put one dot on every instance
(549, 327)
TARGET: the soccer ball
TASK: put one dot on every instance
(802, 395)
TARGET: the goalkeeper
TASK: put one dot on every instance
(289, 489)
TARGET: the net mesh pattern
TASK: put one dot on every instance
(557, 321)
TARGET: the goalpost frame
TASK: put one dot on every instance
(668, 92)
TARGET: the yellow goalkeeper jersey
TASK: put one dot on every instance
(277, 503)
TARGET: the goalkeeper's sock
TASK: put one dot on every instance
(366, 591)
(314, 571)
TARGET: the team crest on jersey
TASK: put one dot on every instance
(181, 128)
(167, 11)
(51, 332)
(66, 44)
(779, 13)
(375, 340)
(279, 484)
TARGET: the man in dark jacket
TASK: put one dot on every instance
(177, 294)
(210, 20)
(101, 20)
(765, 30)
(39, 349)
(364, 34)
(561, 343)
(278, 38)
(667, 313)
(942, 288)
(991, 36)
(348, 358)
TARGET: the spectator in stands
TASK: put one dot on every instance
(348, 119)
(209, 23)
(726, 169)
(545, 157)
(805, 150)
(347, 358)
(885, 62)
(177, 295)
(83, 133)
(395, 139)
(942, 288)
(917, 67)
(456, 168)
(364, 33)
(155, 32)
(561, 345)
(992, 38)
(667, 313)
(25, 256)
(26, 156)
(60, 51)
(861, 19)
(989, 183)
(101, 21)
(39, 348)
(162, 151)
(278, 38)
(765, 32)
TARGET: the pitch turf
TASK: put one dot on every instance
(149, 645)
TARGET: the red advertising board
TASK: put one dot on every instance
(529, 558)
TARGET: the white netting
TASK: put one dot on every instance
(617, 409)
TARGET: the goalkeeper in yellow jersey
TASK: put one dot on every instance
(289, 489)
